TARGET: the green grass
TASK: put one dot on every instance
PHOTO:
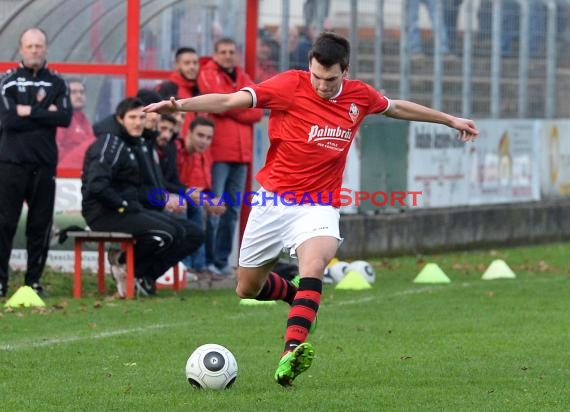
(469, 345)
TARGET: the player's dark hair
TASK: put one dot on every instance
(329, 49)
(184, 50)
(126, 105)
(201, 121)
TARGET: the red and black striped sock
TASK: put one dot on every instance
(303, 312)
(277, 288)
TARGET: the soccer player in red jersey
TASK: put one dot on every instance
(314, 118)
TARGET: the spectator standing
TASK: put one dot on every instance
(34, 103)
(183, 80)
(415, 46)
(73, 141)
(232, 150)
(510, 28)
(450, 18)
(111, 189)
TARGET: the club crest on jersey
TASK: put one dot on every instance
(353, 112)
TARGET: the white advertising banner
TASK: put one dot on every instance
(437, 165)
(555, 159)
(501, 166)
(505, 162)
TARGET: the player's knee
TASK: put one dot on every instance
(245, 292)
(315, 268)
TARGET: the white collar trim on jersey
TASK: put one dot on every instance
(339, 92)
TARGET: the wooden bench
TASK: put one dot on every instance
(127, 242)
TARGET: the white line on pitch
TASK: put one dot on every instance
(72, 339)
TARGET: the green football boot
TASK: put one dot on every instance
(293, 363)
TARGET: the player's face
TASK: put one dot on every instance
(188, 64)
(165, 132)
(77, 95)
(133, 122)
(326, 80)
(33, 49)
(200, 138)
(225, 55)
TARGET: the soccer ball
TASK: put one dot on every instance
(337, 271)
(211, 366)
(327, 278)
(365, 269)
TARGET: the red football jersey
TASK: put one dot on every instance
(310, 136)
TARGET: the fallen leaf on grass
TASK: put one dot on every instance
(61, 305)
(543, 266)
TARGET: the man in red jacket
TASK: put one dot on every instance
(232, 150)
(182, 82)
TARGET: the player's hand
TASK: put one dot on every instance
(163, 107)
(468, 132)
(52, 108)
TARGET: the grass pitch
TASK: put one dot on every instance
(468, 345)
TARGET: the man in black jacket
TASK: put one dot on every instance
(113, 201)
(149, 163)
(34, 103)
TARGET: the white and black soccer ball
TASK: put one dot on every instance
(327, 278)
(211, 366)
(337, 271)
(365, 269)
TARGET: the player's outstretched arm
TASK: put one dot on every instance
(207, 103)
(406, 110)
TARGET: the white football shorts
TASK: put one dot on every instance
(274, 227)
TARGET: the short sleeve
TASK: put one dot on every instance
(378, 102)
(275, 93)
